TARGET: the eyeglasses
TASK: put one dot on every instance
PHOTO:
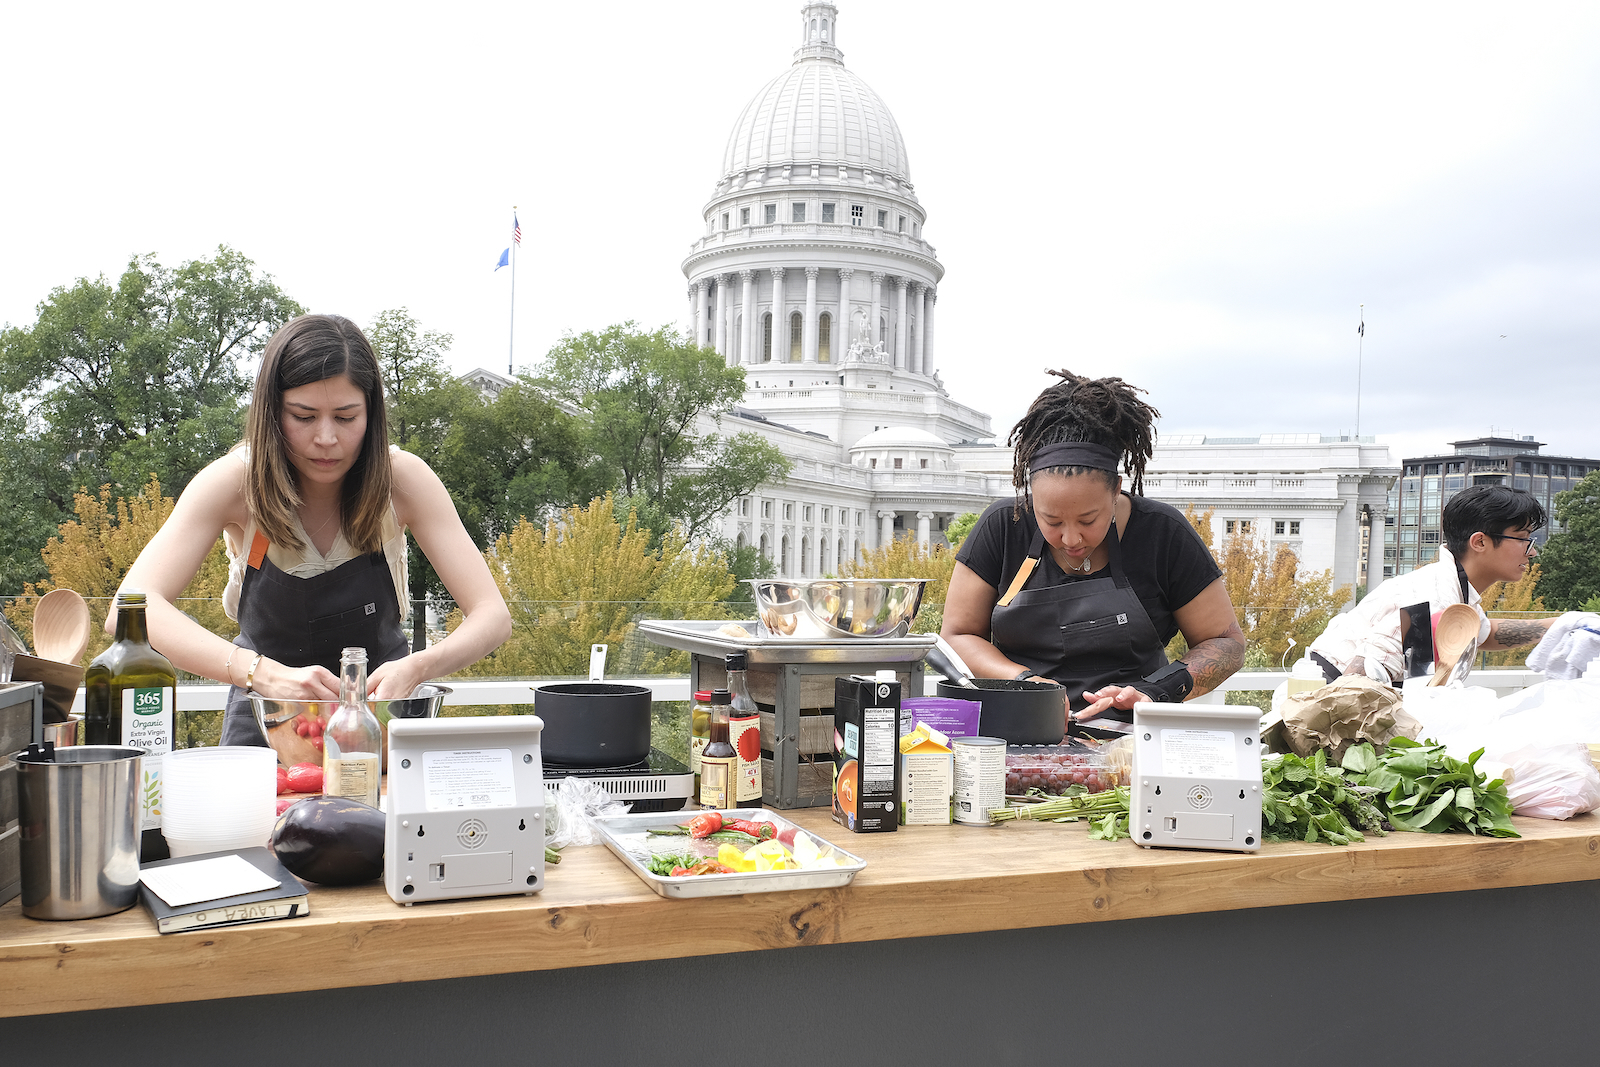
(1529, 540)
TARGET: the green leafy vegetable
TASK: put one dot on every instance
(1113, 826)
(1426, 790)
(1306, 800)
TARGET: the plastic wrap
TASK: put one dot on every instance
(571, 812)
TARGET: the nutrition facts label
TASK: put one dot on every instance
(878, 747)
(471, 778)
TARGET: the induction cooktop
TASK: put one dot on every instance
(656, 783)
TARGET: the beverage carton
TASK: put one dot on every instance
(866, 763)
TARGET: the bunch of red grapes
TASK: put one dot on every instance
(1052, 768)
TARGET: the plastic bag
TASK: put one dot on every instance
(1552, 781)
(570, 812)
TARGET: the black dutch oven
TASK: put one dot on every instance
(1024, 713)
(593, 724)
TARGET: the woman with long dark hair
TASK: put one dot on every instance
(1082, 581)
(313, 508)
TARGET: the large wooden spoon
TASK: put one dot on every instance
(1456, 632)
(61, 626)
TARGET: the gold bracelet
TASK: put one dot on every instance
(227, 664)
(250, 675)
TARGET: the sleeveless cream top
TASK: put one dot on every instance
(306, 561)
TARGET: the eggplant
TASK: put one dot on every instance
(330, 840)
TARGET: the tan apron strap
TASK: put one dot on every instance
(1020, 580)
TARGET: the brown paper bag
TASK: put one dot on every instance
(1342, 713)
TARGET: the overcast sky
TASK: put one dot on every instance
(1194, 196)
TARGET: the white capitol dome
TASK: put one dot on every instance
(817, 111)
(813, 244)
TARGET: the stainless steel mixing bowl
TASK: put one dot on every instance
(837, 607)
(294, 727)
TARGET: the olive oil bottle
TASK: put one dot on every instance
(129, 693)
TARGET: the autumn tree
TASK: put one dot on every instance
(585, 577)
(905, 557)
(1273, 600)
(92, 552)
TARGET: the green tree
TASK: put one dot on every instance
(643, 398)
(959, 527)
(514, 457)
(420, 389)
(1569, 563)
(116, 383)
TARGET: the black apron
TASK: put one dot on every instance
(302, 621)
(1086, 633)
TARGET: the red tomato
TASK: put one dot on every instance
(786, 837)
(283, 780)
(283, 806)
(305, 778)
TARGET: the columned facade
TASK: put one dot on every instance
(815, 184)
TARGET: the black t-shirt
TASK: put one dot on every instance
(1162, 556)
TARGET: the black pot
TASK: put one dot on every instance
(1024, 713)
(593, 724)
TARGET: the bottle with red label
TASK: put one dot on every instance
(699, 732)
(719, 763)
(744, 732)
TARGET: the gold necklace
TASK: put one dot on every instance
(324, 526)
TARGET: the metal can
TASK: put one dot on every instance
(980, 778)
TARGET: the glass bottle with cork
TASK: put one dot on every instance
(744, 733)
(352, 743)
(699, 731)
(129, 698)
(719, 763)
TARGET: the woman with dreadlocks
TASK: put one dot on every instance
(1082, 584)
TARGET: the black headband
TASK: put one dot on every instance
(1074, 454)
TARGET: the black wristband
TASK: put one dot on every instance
(1170, 685)
(1023, 675)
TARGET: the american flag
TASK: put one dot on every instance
(516, 230)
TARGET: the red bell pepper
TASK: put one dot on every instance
(761, 831)
(705, 824)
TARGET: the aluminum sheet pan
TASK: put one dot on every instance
(701, 636)
(625, 836)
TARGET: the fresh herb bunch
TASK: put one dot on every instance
(1113, 826)
(1306, 800)
(1424, 789)
(1068, 808)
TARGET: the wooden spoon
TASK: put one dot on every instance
(61, 626)
(1456, 632)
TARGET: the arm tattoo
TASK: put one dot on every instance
(1212, 661)
(1514, 633)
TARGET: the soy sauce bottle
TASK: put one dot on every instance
(719, 763)
(129, 698)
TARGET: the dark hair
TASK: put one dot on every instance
(314, 348)
(1102, 411)
(1491, 510)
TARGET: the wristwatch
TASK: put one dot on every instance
(1024, 674)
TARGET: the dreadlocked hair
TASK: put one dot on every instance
(1102, 411)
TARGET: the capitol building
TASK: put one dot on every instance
(814, 273)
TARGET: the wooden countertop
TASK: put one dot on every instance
(918, 881)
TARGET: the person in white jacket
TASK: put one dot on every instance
(1488, 532)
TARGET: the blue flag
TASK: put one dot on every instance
(505, 259)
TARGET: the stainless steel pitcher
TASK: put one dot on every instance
(80, 830)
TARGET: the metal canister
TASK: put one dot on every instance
(980, 778)
(80, 830)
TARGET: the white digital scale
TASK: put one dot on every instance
(465, 808)
(1196, 776)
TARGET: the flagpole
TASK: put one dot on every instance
(511, 353)
(1361, 340)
